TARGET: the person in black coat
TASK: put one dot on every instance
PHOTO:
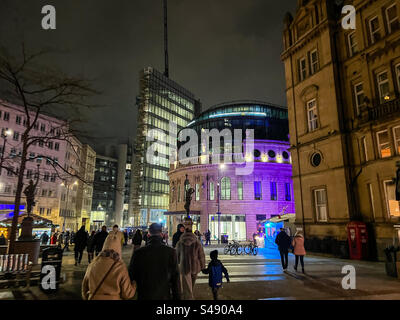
(177, 235)
(81, 239)
(3, 240)
(155, 269)
(90, 246)
(284, 242)
(99, 239)
(44, 238)
(137, 240)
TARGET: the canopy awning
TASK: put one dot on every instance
(291, 217)
(6, 218)
(181, 213)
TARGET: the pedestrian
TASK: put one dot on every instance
(115, 230)
(54, 238)
(130, 235)
(90, 246)
(60, 240)
(191, 259)
(44, 238)
(125, 237)
(198, 235)
(67, 239)
(99, 239)
(215, 270)
(175, 238)
(284, 242)
(137, 240)
(166, 237)
(207, 235)
(81, 239)
(299, 250)
(72, 238)
(107, 277)
(155, 269)
(3, 240)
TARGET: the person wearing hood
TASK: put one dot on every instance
(175, 238)
(81, 239)
(284, 242)
(155, 269)
(299, 250)
(107, 277)
(215, 270)
(137, 240)
(191, 259)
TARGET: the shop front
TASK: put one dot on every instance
(97, 220)
(233, 226)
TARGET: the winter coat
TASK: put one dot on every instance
(176, 236)
(283, 241)
(298, 245)
(90, 243)
(44, 238)
(155, 270)
(53, 239)
(137, 238)
(99, 239)
(2, 241)
(191, 258)
(116, 286)
(81, 239)
(209, 271)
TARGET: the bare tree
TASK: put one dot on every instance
(40, 91)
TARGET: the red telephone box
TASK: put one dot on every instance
(358, 240)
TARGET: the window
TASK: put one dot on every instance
(46, 176)
(364, 148)
(371, 198)
(374, 30)
(29, 174)
(179, 193)
(398, 76)
(212, 191)
(42, 127)
(7, 189)
(240, 190)
(383, 86)
(257, 190)
(53, 177)
(312, 115)
(16, 136)
(44, 192)
(384, 144)
(391, 203)
(321, 205)
(353, 43)
(359, 96)
(6, 116)
(288, 192)
(50, 145)
(18, 120)
(49, 212)
(392, 19)
(197, 192)
(31, 156)
(41, 211)
(10, 171)
(226, 188)
(41, 143)
(396, 135)
(314, 63)
(274, 193)
(302, 69)
(36, 126)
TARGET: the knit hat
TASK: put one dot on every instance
(155, 229)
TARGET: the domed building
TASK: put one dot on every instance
(243, 201)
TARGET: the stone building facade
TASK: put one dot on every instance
(343, 99)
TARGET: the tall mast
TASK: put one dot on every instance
(166, 72)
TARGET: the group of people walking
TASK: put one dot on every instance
(156, 271)
(285, 243)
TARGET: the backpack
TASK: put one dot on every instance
(216, 276)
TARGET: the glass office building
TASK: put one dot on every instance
(161, 102)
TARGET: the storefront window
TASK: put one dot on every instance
(232, 225)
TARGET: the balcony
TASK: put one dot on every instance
(380, 111)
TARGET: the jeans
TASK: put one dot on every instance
(80, 254)
(208, 242)
(301, 261)
(188, 282)
(284, 257)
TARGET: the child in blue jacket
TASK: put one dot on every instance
(215, 270)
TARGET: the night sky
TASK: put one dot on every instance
(221, 50)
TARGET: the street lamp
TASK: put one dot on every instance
(5, 134)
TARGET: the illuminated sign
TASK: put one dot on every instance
(394, 208)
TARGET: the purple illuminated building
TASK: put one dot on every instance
(244, 200)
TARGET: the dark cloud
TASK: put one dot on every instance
(219, 49)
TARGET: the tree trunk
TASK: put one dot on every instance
(18, 195)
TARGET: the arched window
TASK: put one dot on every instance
(226, 188)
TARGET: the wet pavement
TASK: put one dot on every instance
(255, 278)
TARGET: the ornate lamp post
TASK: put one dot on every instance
(188, 197)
